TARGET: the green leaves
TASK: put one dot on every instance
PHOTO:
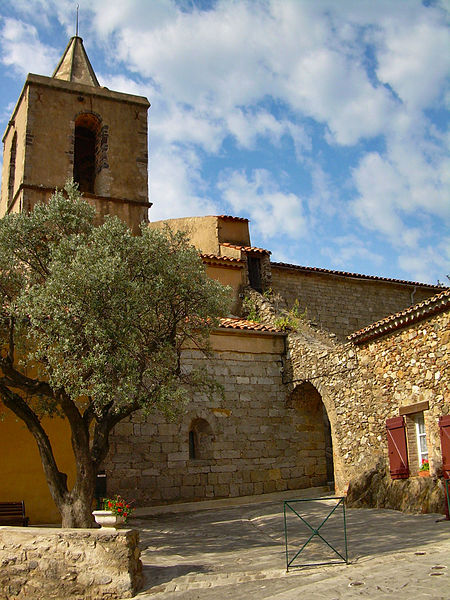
(105, 314)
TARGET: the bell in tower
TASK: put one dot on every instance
(68, 126)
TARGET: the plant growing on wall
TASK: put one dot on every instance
(93, 321)
(290, 319)
(250, 309)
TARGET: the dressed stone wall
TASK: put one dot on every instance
(252, 441)
(341, 304)
(77, 564)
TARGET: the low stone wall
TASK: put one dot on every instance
(77, 564)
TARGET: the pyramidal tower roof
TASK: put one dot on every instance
(74, 65)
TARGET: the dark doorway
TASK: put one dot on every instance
(254, 272)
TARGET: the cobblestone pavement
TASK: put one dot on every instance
(239, 552)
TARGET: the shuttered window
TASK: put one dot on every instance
(397, 449)
(444, 426)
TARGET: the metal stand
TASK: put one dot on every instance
(315, 532)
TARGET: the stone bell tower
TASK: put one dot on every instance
(68, 126)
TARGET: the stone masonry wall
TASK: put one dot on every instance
(254, 442)
(77, 564)
(343, 304)
(362, 386)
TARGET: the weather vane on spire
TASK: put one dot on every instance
(78, 6)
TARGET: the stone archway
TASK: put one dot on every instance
(312, 419)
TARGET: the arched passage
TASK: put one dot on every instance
(317, 444)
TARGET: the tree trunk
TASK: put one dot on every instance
(76, 511)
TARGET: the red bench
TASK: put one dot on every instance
(13, 513)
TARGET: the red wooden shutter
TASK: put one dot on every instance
(397, 449)
(444, 426)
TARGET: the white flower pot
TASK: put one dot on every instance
(106, 518)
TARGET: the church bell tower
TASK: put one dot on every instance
(68, 126)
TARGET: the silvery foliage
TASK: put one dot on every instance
(100, 314)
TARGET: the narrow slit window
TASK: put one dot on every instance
(201, 440)
(192, 445)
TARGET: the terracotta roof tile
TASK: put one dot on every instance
(348, 274)
(230, 218)
(438, 303)
(243, 324)
(246, 248)
(226, 259)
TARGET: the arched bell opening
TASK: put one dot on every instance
(85, 167)
(12, 168)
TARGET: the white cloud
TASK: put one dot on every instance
(186, 126)
(271, 211)
(23, 51)
(330, 75)
(424, 262)
(413, 61)
(247, 126)
(125, 84)
(176, 181)
(408, 180)
(347, 248)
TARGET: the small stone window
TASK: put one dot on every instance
(416, 434)
(417, 440)
(421, 436)
(201, 440)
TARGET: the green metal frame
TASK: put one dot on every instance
(315, 531)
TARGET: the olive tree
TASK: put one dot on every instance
(93, 323)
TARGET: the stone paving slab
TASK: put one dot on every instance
(239, 552)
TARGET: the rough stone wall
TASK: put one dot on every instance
(258, 443)
(77, 564)
(362, 386)
(343, 304)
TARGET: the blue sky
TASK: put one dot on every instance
(324, 122)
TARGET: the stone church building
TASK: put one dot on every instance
(330, 378)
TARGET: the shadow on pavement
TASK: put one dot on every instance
(247, 539)
(157, 575)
